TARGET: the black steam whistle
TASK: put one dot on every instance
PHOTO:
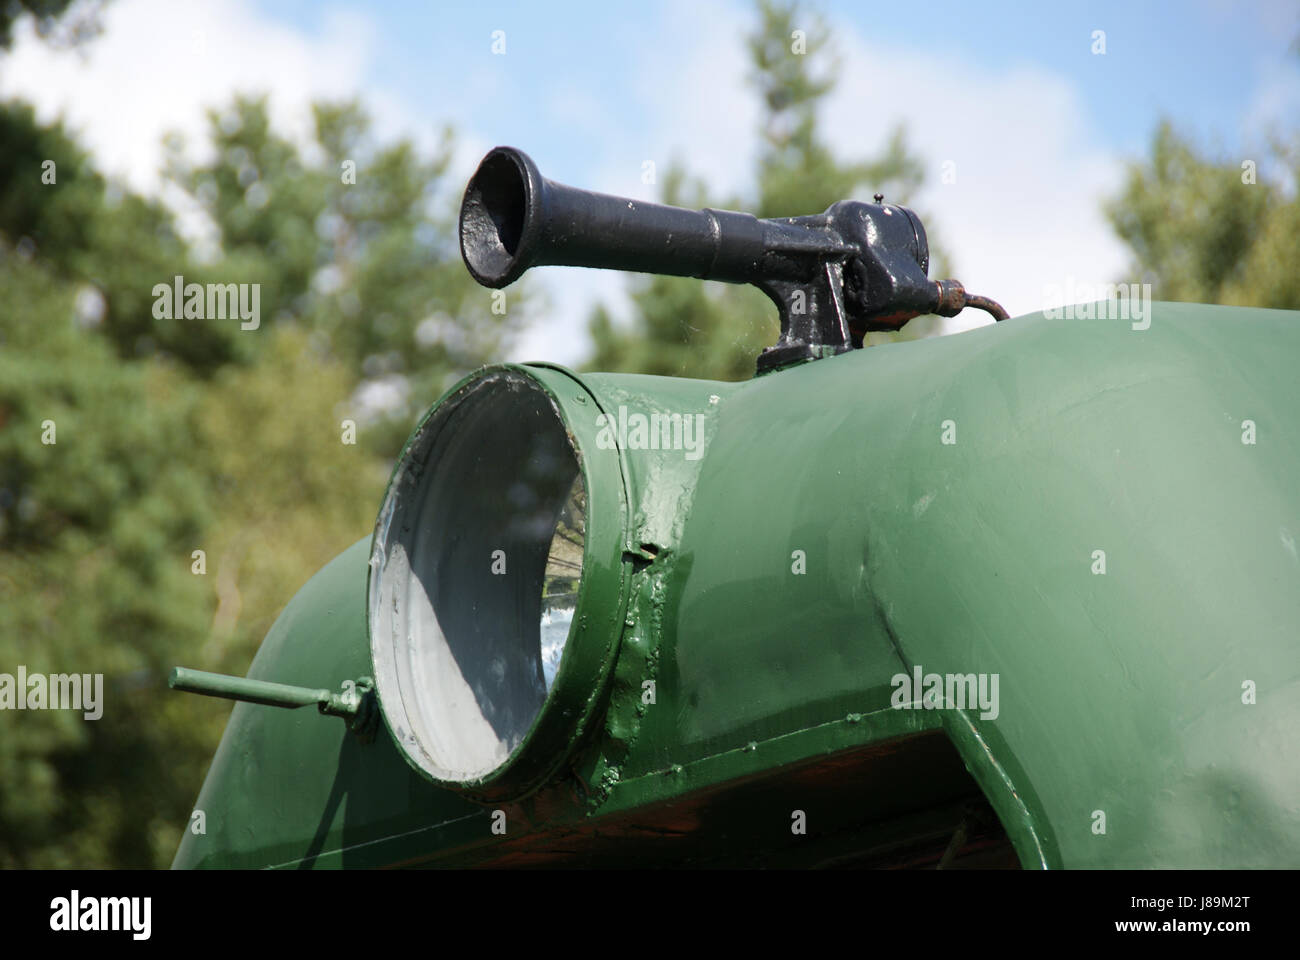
(833, 276)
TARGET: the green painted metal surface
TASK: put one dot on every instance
(1123, 696)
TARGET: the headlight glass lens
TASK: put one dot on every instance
(563, 577)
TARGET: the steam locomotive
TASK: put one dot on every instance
(1024, 596)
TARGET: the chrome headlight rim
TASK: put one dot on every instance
(574, 704)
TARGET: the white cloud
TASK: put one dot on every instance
(698, 107)
(1025, 208)
(158, 66)
(1023, 214)
(157, 62)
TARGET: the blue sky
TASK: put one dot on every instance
(1036, 126)
(1199, 62)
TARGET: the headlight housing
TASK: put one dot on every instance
(497, 585)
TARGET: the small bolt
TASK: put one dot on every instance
(880, 198)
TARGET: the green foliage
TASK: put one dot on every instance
(290, 493)
(95, 533)
(797, 172)
(56, 208)
(55, 23)
(181, 435)
(1198, 231)
(350, 245)
(682, 327)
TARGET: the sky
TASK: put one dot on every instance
(1014, 101)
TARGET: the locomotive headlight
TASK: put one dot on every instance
(496, 583)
